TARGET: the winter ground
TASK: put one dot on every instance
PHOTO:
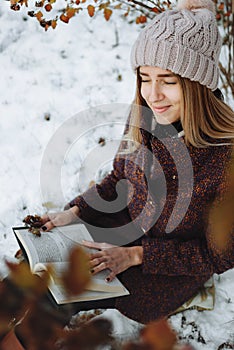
(48, 81)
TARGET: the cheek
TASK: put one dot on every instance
(144, 93)
(179, 95)
(175, 96)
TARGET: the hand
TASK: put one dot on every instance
(59, 219)
(116, 259)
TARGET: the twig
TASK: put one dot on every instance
(116, 38)
(141, 4)
(227, 76)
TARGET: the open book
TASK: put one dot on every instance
(53, 248)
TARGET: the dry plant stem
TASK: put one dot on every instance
(227, 71)
(141, 4)
(227, 76)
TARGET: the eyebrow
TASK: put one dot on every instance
(159, 75)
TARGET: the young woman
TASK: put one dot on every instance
(181, 136)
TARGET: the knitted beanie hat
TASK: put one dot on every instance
(185, 41)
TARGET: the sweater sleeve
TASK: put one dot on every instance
(106, 190)
(110, 188)
(203, 255)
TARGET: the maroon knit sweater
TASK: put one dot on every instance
(179, 255)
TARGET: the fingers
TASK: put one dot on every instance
(103, 261)
(47, 223)
(102, 266)
(48, 217)
(56, 219)
(53, 223)
(110, 277)
(45, 218)
(90, 244)
(94, 262)
(48, 226)
(100, 262)
(97, 245)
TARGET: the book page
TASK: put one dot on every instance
(97, 282)
(61, 297)
(98, 288)
(52, 246)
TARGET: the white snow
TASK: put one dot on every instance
(60, 75)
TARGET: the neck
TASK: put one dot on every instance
(165, 130)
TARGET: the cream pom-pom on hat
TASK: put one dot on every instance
(185, 41)
(196, 4)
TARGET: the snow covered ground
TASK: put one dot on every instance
(49, 81)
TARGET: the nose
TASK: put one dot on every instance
(156, 93)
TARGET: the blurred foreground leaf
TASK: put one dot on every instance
(77, 276)
(91, 335)
(22, 277)
(222, 212)
(158, 335)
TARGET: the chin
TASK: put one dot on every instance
(162, 120)
(165, 120)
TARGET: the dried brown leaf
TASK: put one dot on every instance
(77, 276)
(70, 12)
(48, 7)
(91, 335)
(107, 13)
(22, 277)
(64, 18)
(117, 7)
(53, 24)
(159, 336)
(221, 6)
(91, 10)
(155, 9)
(39, 15)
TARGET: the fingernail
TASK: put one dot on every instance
(44, 228)
(108, 279)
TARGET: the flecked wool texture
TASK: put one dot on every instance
(176, 264)
(184, 41)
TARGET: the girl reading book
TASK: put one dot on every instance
(174, 155)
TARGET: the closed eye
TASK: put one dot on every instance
(145, 80)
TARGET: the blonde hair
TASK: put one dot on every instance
(202, 113)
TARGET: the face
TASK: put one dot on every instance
(162, 92)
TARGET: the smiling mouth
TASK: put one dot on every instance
(161, 109)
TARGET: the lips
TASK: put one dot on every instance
(161, 109)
